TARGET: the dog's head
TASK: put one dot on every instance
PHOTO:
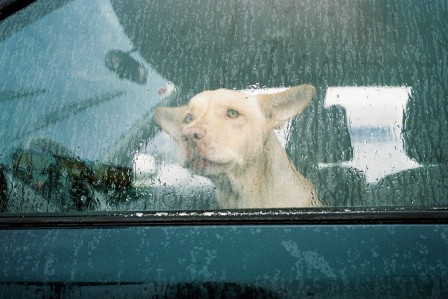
(223, 129)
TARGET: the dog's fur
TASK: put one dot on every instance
(227, 136)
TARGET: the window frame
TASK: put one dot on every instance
(309, 216)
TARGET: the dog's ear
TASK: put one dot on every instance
(282, 106)
(170, 119)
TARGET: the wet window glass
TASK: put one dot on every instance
(203, 105)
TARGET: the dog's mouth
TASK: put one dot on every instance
(201, 165)
(199, 162)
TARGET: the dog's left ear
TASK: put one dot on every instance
(170, 119)
(280, 107)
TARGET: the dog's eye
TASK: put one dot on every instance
(188, 118)
(232, 113)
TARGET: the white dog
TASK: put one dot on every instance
(228, 137)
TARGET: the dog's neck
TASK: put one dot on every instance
(271, 180)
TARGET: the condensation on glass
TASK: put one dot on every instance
(80, 81)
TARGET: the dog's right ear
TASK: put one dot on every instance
(280, 107)
(170, 120)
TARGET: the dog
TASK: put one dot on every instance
(228, 137)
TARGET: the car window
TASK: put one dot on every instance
(288, 104)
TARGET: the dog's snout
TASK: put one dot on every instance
(194, 133)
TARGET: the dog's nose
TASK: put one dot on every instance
(194, 133)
